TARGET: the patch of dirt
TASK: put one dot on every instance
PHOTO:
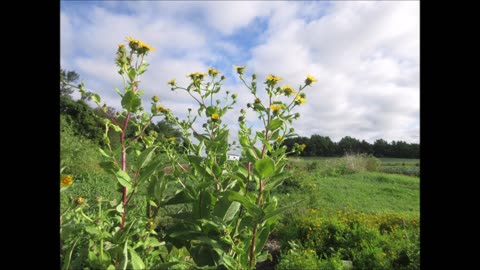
(273, 247)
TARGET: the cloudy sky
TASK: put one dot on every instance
(365, 56)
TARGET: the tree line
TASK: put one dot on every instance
(323, 146)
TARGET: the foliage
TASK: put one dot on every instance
(323, 146)
(220, 213)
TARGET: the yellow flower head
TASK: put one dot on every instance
(66, 181)
(279, 139)
(172, 139)
(310, 79)
(287, 90)
(275, 107)
(196, 75)
(162, 109)
(80, 200)
(273, 79)
(139, 45)
(215, 116)
(172, 82)
(121, 45)
(300, 100)
(213, 72)
(239, 69)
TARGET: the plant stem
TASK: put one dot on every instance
(124, 167)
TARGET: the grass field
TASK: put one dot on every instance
(350, 208)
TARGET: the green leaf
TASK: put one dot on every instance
(261, 239)
(251, 208)
(96, 98)
(232, 210)
(179, 198)
(116, 128)
(124, 261)
(124, 179)
(136, 262)
(149, 170)
(68, 259)
(275, 123)
(142, 68)
(250, 153)
(279, 210)
(211, 110)
(265, 167)
(228, 261)
(103, 153)
(119, 208)
(196, 162)
(153, 203)
(203, 205)
(132, 73)
(111, 267)
(131, 102)
(226, 209)
(118, 91)
(145, 157)
(244, 141)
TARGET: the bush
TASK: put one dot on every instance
(298, 258)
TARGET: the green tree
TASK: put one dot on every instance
(65, 78)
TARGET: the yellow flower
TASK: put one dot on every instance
(287, 89)
(162, 109)
(275, 107)
(171, 82)
(66, 181)
(172, 139)
(279, 138)
(197, 74)
(239, 69)
(121, 45)
(213, 72)
(80, 200)
(310, 79)
(273, 79)
(299, 100)
(215, 116)
(136, 44)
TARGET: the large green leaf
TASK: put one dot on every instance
(225, 209)
(203, 205)
(275, 123)
(179, 198)
(124, 179)
(135, 260)
(265, 167)
(131, 102)
(132, 73)
(145, 157)
(251, 208)
(261, 239)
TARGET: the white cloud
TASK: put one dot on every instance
(365, 56)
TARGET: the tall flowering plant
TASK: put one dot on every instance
(224, 210)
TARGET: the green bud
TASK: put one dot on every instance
(254, 76)
(234, 96)
(155, 98)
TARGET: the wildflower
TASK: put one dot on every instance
(150, 225)
(196, 75)
(273, 79)
(239, 69)
(66, 181)
(275, 107)
(215, 116)
(171, 82)
(80, 200)
(310, 79)
(139, 45)
(213, 72)
(162, 109)
(287, 90)
(299, 100)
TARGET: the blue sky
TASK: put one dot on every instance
(365, 55)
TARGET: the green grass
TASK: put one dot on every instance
(368, 192)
